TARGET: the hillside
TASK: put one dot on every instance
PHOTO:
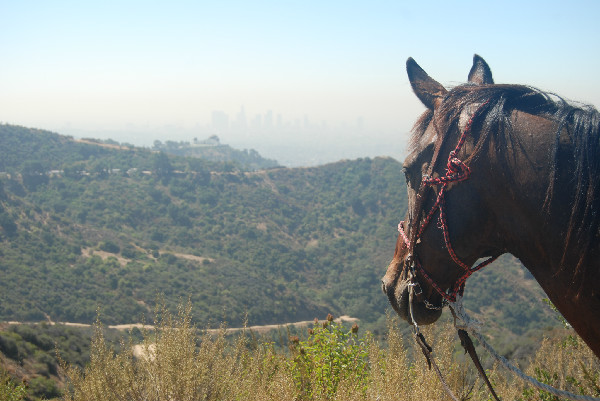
(212, 149)
(87, 228)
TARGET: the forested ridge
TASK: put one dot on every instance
(212, 149)
(87, 229)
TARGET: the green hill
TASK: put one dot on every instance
(212, 149)
(87, 227)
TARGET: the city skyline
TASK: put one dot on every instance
(298, 142)
(269, 120)
(138, 71)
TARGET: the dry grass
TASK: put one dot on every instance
(179, 366)
(567, 364)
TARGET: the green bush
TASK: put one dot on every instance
(330, 355)
(44, 388)
(109, 246)
(9, 390)
(8, 346)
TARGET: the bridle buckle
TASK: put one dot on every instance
(416, 288)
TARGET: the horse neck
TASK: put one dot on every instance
(514, 181)
(533, 229)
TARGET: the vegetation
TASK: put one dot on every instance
(29, 354)
(568, 364)
(10, 390)
(331, 364)
(330, 356)
(113, 233)
(273, 238)
(212, 149)
(87, 226)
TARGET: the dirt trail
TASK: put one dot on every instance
(139, 350)
(103, 145)
(89, 252)
(266, 328)
(257, 329)
(194, 258)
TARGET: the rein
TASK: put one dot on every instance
(456, 171)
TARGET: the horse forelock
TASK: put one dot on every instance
(498, 102)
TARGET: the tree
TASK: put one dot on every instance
(8, 224)
(33, 174)
(162, 165)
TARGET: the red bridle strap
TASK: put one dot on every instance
(456, 171)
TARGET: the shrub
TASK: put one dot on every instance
(44, 388)
(333, 363)
(172, 366)
(330, 355)
(8, 346)
(568, 364)
(10, 390)
(109, 246)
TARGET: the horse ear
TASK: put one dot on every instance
(480, 72)
(428, 90)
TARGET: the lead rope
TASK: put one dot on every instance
(425, 348)
(462, 321)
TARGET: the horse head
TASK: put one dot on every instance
(441, 236)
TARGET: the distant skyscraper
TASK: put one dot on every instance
(257, 122)
(240, 122)
(268, 123)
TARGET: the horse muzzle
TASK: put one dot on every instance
(397, 290)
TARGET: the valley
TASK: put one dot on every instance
(244, 247)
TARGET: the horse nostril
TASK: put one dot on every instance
(383, 287)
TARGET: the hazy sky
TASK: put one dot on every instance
(113, 66)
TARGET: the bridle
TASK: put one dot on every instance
(456, 171)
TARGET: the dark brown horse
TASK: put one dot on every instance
(524, 179)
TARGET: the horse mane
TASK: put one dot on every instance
(496, 104)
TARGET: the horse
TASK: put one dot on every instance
(522, 176)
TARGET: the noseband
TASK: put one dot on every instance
(456, 171)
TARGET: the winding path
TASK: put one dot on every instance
(257, 329)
